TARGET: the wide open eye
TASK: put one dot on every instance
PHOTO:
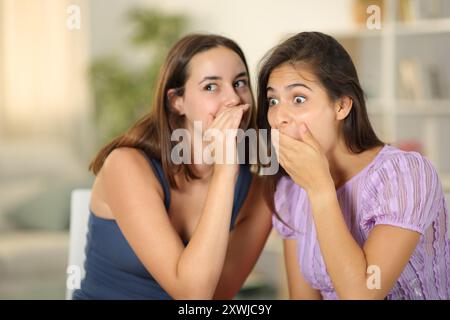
(273, 101)
(299, 99)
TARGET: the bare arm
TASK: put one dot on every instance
(134, 196)
(246, 242)
(299, 289)
(388, 248)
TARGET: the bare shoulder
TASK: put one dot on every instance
(129, 164)
(125, 174)
(124, 159)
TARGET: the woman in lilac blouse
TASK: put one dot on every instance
(361, 219)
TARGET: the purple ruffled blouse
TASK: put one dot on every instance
(397, 188)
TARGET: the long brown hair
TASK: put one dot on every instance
(335, 70)
(152, 133)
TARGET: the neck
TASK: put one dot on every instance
(345, 164)
(340, 163)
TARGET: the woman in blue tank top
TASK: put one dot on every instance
(164, 229)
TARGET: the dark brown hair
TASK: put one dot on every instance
(333, 67)
(152, 133)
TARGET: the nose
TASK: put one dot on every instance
(231, 98)
(281, 116)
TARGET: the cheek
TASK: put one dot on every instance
(320, 122)
(246, 96)
(199, 107)
(323, 135)
(271, 117)
(323, 129)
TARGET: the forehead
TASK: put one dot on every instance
(288, 73)
(219, 61)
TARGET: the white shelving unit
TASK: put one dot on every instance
(377, 54)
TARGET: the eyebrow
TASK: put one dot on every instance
(239, 75)
(291, 86)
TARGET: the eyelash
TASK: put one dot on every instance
(270, 98)
(244, 83)
(304, 98)
(209, 85)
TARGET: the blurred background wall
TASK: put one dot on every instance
(66, 90)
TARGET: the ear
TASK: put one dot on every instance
(175, 101)
(343, 107)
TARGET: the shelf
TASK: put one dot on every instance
(419, 27)
(424, 107)
(357, 32)
(430, 112)
(413, 108)
(431, 26)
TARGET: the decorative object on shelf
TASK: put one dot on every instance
(419, 81)
(406, 74)
(414, 10)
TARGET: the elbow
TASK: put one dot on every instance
(198, 293)
(361, 294)
(195, 291)
(360, 288)
(194, 284)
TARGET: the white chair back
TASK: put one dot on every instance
(79, 216)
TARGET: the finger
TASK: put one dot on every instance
(291, 131)
(229, 118)
(221, 114)
(286, 142)
(222, 111)
(221, 118)
(307, 137)
(289, 148)
(237, 117)
(234, 117)
(282, 161)
(245, 107)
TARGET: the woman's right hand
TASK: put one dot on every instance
(225, 124)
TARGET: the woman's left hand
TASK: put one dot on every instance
(304, 161)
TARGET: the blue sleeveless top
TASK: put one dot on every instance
(113, 271)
